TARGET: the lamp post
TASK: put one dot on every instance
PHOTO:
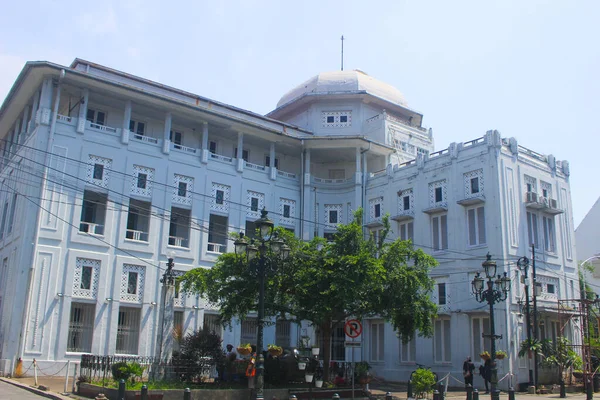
(250, 251)
(523, 264)
(496, 292)
(168, 279)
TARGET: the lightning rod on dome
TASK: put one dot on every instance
(342, 52)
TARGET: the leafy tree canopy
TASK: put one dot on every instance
(353, 276)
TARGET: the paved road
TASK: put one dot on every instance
(11, 392)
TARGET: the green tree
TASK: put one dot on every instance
(325, 283)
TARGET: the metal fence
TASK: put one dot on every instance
(99, 368)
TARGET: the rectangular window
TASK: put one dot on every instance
(406, 231)
(132, 282)
(98, 171)
(253, 204)
(286, 211)
(86, 278)
(175, 137)
(219, 196)
(245, 154)
(337, 174)
(377, 348)
(142, 181)
(137, 127)
(81, 328)
(475, 185)
(283, 331)
(182, 189)
(406, 203)
(212, 147)
(476, 223)
(249, 327)
(532, 229)
(330, 120)
(440, 232)
(549, 235)
(550, 288)
(480, 326)
(377, 210)
(11, 218)
(4, 215)
(128, 330)
(268, 162)
(333, 217)
(343, 118)
(212, 324)
(442, 341)
(408, 351)
(438, 194)
(179, 228)
(441, 293)
(96, 117)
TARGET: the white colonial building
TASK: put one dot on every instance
(104, 174)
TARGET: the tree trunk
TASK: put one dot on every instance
(326, 332)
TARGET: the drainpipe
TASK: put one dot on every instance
(39, 216)
(302, 191)
(363, 187)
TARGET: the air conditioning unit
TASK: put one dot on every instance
(552, 203)
(532, 197)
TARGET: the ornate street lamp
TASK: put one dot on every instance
(523, 265)
(278, 247)
(496, 292)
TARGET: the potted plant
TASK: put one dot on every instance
(501, 354)
(244, 349)
(485, 355)
(361, 370)
(315, 350)
(274, 350)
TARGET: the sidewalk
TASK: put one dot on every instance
(54, 386)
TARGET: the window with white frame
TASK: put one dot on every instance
(375, 208)
(98, 170)
(137, 127)
(245, 154)
(473, 181)
(212, 323)
(268, 162)
(377, 343)
(479, 326)
(333, 214)
(549, 234)
(86, 277)
(141, 182)
(176, 137)
(13, 210)
(96, 116)
(406, 230)
(212, 147)
(439, 226)
(132, 283)
(476, 226)
(530, 184)
(546, 189)
(442, 341)
(532, 229)
(287, 210)
(220, 197)
(408, 351)
(249, 327)
(4, 216)
(437, 193)
(405, 201)
(336, 119)
(441, 290)
(128, 330)
(283, 329)
(81, 327)
(183, 187)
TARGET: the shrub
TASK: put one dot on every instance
(126, 371)
(422, 382)
(199, 352)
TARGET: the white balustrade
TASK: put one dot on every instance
(216, 248)
(286, 174)
(178, 241)
(221, 158)
(140, 236)
(64, 119)
(143, 138)
(91, 228)
(102, 128)
(255, 166)
(184, 149)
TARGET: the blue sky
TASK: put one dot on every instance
(527, 68)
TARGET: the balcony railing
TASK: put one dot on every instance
(140, 236)
(221, 158)
(216, 248)
(91, 228)
(142, 138)
(102, 128)
(178, 242)
(255, 166)
(65, 119)
(288, 175)
(184, 149)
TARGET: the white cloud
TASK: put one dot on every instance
(10, 66)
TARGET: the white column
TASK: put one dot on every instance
(272, 168)
(357, 174)
(205, 149)
(34, 111)
(240, 149)
(45, 102)
(357, 182)
(308, 205)
(167, 133)
(126, 120)
(165, 330)
(81, 119)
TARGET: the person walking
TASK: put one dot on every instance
(485, 371)
(468, 368)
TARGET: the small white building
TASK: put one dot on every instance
(588, 245)
(104, 174)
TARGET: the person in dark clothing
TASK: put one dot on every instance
(485, 371)
(468, 369)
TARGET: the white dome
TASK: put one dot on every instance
(343, 82)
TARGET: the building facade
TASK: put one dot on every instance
(106, 175)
